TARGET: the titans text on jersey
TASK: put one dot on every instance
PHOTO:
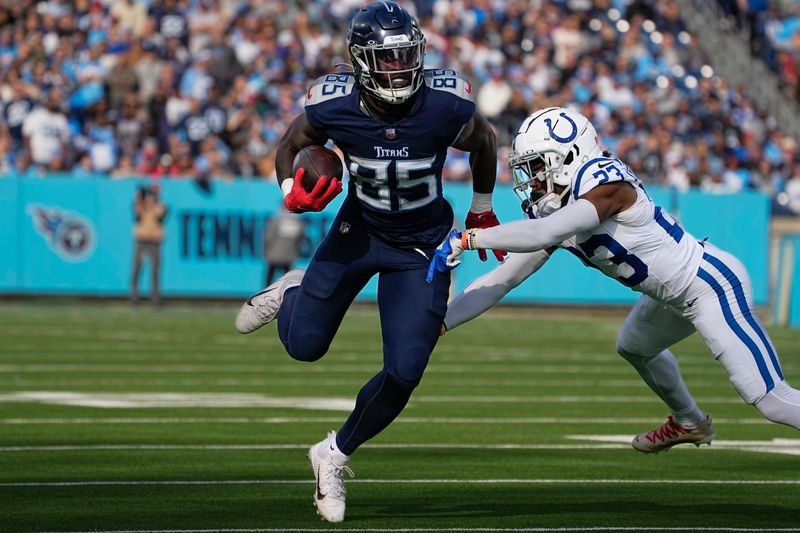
(396, 181)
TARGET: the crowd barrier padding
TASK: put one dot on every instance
(66, 236)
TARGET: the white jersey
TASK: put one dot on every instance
(643, 247)
(48, 132)
(686, 286)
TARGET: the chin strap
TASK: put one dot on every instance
(548, 204)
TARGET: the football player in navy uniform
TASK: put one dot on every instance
(394, 122)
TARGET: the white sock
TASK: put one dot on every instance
(336, 454)
(662, 375)
(689, 418)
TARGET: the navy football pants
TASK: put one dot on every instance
(411, 312)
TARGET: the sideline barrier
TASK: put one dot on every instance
(785, 272)
(67, 236)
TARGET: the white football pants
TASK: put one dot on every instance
(718, 305)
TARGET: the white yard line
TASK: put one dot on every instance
(446, 529)
(338, 420)
(490, 368)
(598, 442)
(563, 399)
(50, 381)
(139, 400)
(512, 481)
(780, 446)
(134, 400)
(133, 351)
(422, 446)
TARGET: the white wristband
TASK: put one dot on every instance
(286, 186)
(481, 202)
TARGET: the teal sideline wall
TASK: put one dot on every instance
(61, 235)
(794, 297)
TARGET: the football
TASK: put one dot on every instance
(317, 161)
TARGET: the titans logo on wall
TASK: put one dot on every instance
(69, 234)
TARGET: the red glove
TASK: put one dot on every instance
(300, 201)
(487, 219)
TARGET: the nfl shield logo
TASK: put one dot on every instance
(344, 227)
(391, 134)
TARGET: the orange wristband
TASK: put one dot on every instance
(469, 239)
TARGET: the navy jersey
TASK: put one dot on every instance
(14, 114)
(395, 168)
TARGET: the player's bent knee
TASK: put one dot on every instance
(307, 348)
(781, 405)
(409, 363)
(398, 388)
(627, 348)
(630, 355)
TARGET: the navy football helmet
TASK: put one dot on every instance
(387, 50)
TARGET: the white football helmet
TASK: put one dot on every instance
(550, 146)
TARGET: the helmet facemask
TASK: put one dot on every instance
(390, 71)
(531, 169)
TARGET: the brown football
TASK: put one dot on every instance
(317, 161)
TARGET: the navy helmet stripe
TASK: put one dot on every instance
(589, 163)
(539, 115)
(737, 329)
(738, 291)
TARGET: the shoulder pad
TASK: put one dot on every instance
(329, 87)
(598, 171)
(449, 81)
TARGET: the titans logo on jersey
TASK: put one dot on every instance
(396, 168)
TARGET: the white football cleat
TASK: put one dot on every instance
(262, 308)
(329, 495)
(671, 433)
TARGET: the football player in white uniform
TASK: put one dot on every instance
(579, 198)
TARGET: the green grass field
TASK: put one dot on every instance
(115, 419)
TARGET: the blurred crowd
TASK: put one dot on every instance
(205, 88)
(773, 28)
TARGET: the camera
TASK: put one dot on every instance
(148, 190)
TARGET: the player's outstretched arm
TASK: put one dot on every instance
(479, 140)
(487, 290)
(593, 207)
(538, 233)
(299, 135)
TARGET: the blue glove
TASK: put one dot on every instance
(446, 256)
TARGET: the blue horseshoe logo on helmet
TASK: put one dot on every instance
(568, 138)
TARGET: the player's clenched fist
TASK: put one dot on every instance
(300, 201)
